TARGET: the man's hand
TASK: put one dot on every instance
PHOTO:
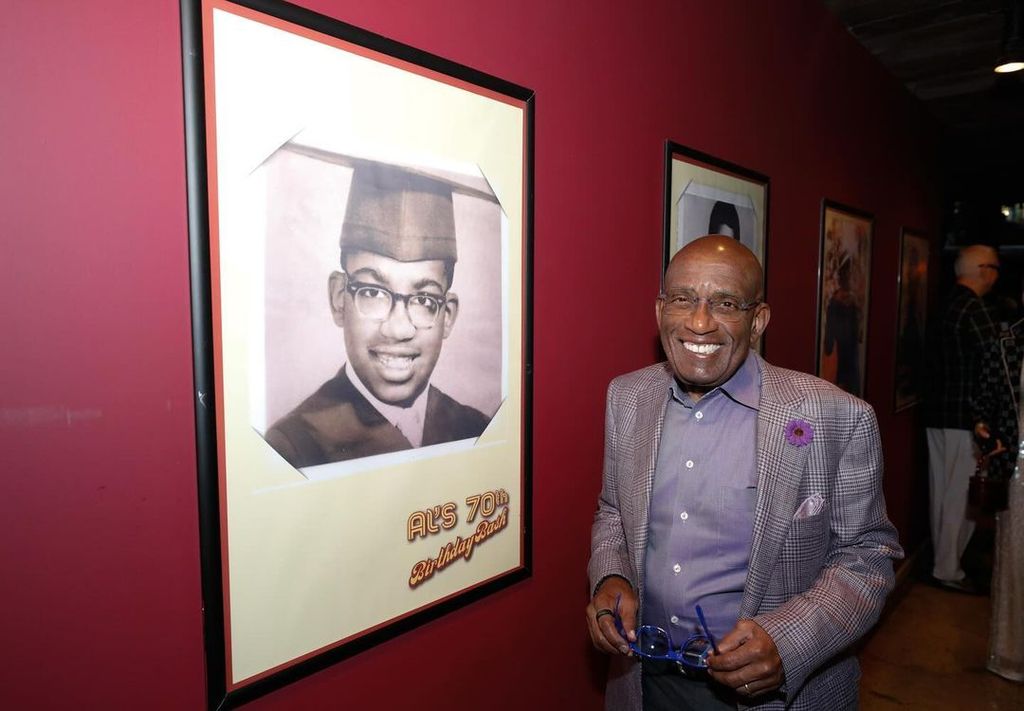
(747, 660)
(982, 433)
(601, 615)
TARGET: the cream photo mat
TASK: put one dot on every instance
(690, 178)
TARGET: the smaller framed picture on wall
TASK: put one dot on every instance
(911, 319)
(844, 280)
(707, 195)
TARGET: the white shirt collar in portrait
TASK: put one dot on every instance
(408, 420)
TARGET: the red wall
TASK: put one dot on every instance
(100, 591)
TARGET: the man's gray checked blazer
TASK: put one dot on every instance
(815, 584)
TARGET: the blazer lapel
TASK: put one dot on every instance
(650, 414)
(780, 468)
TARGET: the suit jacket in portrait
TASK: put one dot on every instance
(815, 583)
(337, 423)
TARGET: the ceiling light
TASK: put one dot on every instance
(1012, 57)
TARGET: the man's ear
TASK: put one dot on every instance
(762, 315)
(451, 312)
(336, 293)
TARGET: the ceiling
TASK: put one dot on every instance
(944, 52)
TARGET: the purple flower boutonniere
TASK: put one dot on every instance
(799, 433)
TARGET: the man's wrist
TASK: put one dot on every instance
(605, 578)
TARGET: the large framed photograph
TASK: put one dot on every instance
(911, 322)
(360, 217)
(707, 195)
(844, 280)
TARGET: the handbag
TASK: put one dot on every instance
(986, 493)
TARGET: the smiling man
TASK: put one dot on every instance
(747, 491)
(392, 299)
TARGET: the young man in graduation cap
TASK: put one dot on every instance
(392, 301)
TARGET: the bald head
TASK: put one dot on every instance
(977, 268)
(719, 248)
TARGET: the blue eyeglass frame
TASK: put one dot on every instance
(682, 655)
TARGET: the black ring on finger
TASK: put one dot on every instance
(602, 612)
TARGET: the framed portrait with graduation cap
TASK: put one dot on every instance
(360, 218)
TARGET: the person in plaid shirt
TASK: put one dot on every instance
(964, 335)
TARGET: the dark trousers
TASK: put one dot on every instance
(665, 688)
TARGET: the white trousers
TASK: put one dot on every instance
(951, 462)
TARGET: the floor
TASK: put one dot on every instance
(929, 650)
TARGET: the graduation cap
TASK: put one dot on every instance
(399, 213)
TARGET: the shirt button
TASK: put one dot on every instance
(674, 620)
(699, 415)
(689, 464)
(684, 515)
(677, 569)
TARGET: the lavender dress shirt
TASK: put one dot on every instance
(702, 507)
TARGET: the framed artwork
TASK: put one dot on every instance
(911, 321)
(360, 219)
(707, 195)
(844, 280)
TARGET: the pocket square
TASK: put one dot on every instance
(811, 506)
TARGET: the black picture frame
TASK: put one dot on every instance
(844, 257)
(911, 318)
(710, 180)
(502, 550)
(695, 184)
